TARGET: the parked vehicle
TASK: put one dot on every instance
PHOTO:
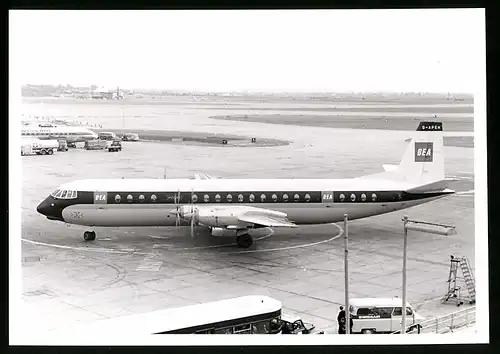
(130, 137)
(38, 146)
(115, 146)
(381, 315)
(107, 136)
(63, 145)
(96, 144)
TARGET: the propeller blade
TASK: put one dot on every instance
(192, 226)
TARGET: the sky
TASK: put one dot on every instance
(311, 50)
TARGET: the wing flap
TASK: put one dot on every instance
(266, 220)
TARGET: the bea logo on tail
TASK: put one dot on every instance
(424, 152)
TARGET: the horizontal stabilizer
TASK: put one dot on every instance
(266, 220)
(430, 187)
(388, 167)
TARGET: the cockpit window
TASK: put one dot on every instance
(64, 194)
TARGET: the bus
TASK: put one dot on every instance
(254, 314)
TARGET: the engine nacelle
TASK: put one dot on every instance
(218, 218)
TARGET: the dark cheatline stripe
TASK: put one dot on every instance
(270, 197)
(52, 207)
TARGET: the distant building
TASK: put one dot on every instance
(107, 93)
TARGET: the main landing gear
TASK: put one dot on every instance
(244, 240)
(89, 235)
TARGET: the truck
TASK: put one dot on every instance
(97, 144)
(39, 147)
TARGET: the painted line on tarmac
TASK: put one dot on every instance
(88, 249)
(156, 246)
(341, 232)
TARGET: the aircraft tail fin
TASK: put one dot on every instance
(423, 161)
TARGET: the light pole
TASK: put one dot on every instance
(346, 271)
(420, 226)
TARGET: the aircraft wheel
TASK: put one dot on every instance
(244, 241)
(89, 235)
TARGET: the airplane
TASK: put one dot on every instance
(72, 134)
(245, 204)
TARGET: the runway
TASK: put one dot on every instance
(133, 270)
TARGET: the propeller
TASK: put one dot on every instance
(186, 212)
(178, 215)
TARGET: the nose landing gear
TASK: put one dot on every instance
(89, 235)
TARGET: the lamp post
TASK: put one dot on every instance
(346, 271)
(420, 226)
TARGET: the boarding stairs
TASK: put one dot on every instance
(455, 292)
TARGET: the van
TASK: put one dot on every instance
(381, 315)
(130, 137)
(107, 136)
(96, 144)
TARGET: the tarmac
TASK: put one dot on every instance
(132, 270)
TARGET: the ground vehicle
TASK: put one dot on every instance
(294, 325)
(130, 137)
(96, 144)
(115, 146)
(38, 146)
(63, 145)
(254, 314)
(381, 315)
(107, 136)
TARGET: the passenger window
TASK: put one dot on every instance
(118, 199)
(63, 195)
(243, 329)
(383, 312)
(217, 198)
(251, 197)
(397, 311)
(285, 198)
(229, 198)
(275, 198)
(296, 197)
(260, 327)
(194, 198)
(240, 198)
(206, 198)
(141, 198)
(263, 197)
(153, 198)
(307, 197)
(364, 311)
(228, 330)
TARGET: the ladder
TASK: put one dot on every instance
(454, 291)
(469, 279)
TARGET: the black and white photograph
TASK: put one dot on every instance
(259, 172)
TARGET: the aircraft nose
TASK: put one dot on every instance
(49, 209)
(43, 208)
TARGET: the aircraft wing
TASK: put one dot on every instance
(266, 220)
